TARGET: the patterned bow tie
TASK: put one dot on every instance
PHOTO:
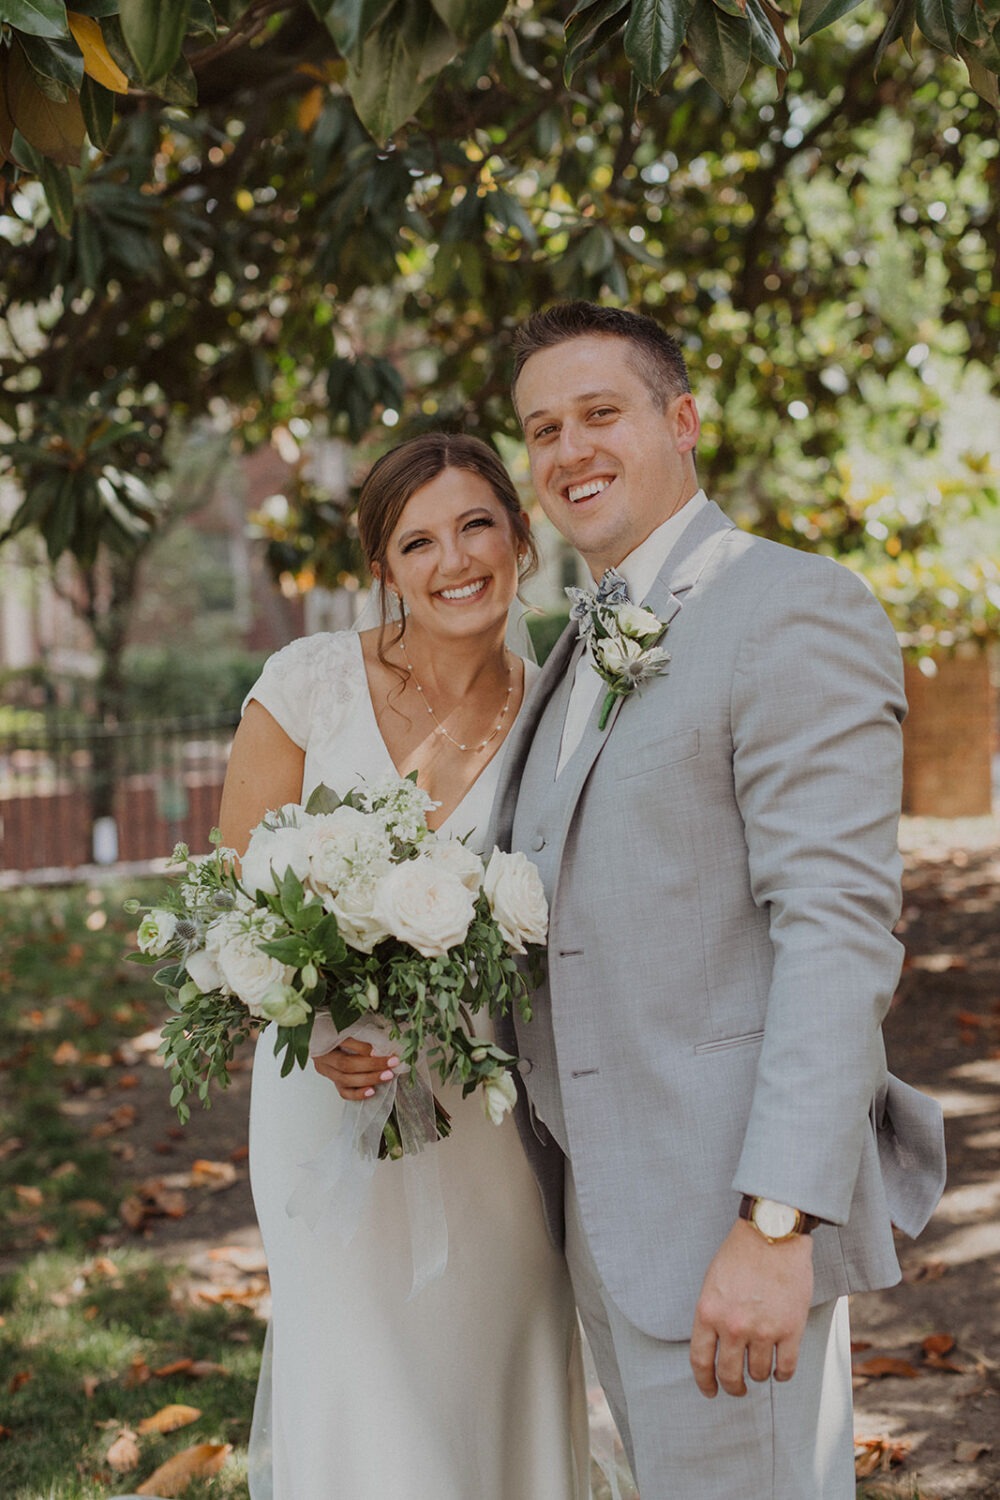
(611, 591)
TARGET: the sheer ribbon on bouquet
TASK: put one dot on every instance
(333, 1189)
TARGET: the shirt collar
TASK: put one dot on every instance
(643, 564)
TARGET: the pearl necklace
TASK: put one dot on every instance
(472, 749)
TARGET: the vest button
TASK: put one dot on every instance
(538, 842)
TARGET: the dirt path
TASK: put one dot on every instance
(943, 1035)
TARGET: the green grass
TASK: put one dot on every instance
(79, 1314)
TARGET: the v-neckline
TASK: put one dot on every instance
(493, 760)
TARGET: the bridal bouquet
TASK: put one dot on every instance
(352, 909)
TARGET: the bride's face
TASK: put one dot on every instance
(453, 556)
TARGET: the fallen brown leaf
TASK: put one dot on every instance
(123, 1454)
(122, 1117)
(87, 1208)
(102, 1266)
(31, 1197)
(883, 1366)
(236, 1296)
(213, 1174)
(967, 1452)
(243, 1257)
(170, 1418)
(938, 1343)
(176, 1367)
(173, 1477)
(138, 1373)
(928, 1270)
(65, 1055)
(90, 1384)
(17, 1381)
(876, 1454)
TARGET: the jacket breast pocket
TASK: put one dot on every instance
(657, 754)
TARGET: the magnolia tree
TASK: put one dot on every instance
(295, 216)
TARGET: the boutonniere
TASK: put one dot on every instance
(622, 639)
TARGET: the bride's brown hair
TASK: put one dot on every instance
(405, 469)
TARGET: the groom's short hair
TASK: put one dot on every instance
(655, 354)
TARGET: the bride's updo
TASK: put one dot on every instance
(402, 471)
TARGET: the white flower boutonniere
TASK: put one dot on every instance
(623, 639)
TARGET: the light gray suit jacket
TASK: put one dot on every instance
(723, 877)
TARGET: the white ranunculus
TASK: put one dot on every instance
(346, 846)
(285, 1006)
(499, 1097)
(203, 969)
(270, 852)
(354, 907)
(424, 905)
(618, 654)
(637, 623)
(249, 972)
(514, 890)
(156, 932)
(458, 859)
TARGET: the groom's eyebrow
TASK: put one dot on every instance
(579, 400)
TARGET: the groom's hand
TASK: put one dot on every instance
(752, 1311)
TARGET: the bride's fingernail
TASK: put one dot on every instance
(387, 1076)
(369, 1093)
(393, 1062)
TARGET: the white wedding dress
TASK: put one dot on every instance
(473, 1389)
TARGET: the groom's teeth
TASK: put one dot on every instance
(464, 593)
(584, 491)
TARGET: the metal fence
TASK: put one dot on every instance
(74, 794)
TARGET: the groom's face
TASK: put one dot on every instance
(609, 463)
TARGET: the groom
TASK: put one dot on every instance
(709, 1114)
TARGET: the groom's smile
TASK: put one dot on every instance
(609, 462)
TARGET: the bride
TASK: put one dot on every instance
(472, 1388)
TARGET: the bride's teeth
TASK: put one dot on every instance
(463, 593)
(584, 491)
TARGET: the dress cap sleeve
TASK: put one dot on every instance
(294, 678)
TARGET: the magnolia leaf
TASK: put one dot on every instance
(36, 17)
(97, 60)
(398, 63)
(816, 14)
(899, 24)
(58, 60)
(350, 21)
(468, 19)
(169, 1419)
(940, 24)
(154, 34)
(653, 36)
(588, 28)
(123, 1454)
(983, 79)
(173, 1477)
(56, 130)
(720, 47)
(97, 105)
(765, 43)
(59, 196)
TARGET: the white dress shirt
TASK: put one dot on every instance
(639, 570)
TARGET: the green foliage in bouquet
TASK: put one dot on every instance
(352, 908)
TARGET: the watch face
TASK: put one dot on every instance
(776, 1220)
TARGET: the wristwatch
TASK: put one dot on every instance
(775, 1221)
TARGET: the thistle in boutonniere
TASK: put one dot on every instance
(623, 639)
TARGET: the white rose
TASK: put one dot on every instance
(285, 1006)
(156, 932)
(248, 971)
(270, 852)
(203, 969)
(637, 623)
(425, 906)
(499, 1097)
(344, 846)
(459, 860)
(514, 890)
(353, 906)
